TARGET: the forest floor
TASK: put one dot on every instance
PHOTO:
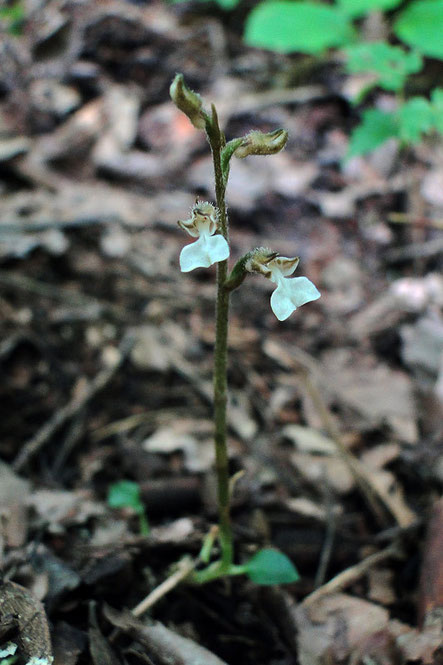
(335, 415)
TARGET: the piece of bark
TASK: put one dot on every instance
(31, 625)
(161, 643)
(430, 600)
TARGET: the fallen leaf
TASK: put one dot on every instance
(379, 394)
(335, 626)
(163, 644)
(33, 637)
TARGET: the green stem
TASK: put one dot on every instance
(217, 142)
(143, 524)
(214, 572)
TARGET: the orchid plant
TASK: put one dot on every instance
(209, 225)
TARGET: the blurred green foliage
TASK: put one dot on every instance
(314, 26)
(126, 494)
(12, 18)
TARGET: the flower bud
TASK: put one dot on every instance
(290, 293)
(189, 102)
(257, 260)
(258, 143)
(209, 248)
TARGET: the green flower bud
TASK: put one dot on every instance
(257, 143)
(189, 102)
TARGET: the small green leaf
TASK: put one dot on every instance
(437, 109)
(13, 16)
(356, 8)
(415, 117)
(391, 65)
(269, 566)
(421, 25)
(297, 26)
(125, 494)
(376, 128)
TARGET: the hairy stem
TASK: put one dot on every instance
(217, 142)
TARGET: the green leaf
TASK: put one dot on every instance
(391, 65)
(376, 127)
(356, 8)
(270, 567)
(421, 25)
(125, 494)
(437, 108)
(297, 26)
(13, 16)
(415, 117)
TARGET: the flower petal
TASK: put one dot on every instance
(290, 294)
(302, 290)
(189, 226)
(281, 304)
(282, 265)
(203, 253)
(217, 248)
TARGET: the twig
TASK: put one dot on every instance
(74, 434)
(46, 290)
(18, 226)
(350, 575)
(258, 101)
(415, 250)
(404, 218)
(60, 417)
(328, 544)
(186, 566)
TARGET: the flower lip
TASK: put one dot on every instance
(291, 294)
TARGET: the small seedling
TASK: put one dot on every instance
(13, 18)
(208, 225)
(126, 494)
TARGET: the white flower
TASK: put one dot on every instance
(209, 248)
(290, 293)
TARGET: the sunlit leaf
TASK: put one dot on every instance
(357, 8)
(375, 128)
(437, 108)
(415, 118)
(390, 65)
(421, 25)
(297, 26)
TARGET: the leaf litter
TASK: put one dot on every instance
(106, 357)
